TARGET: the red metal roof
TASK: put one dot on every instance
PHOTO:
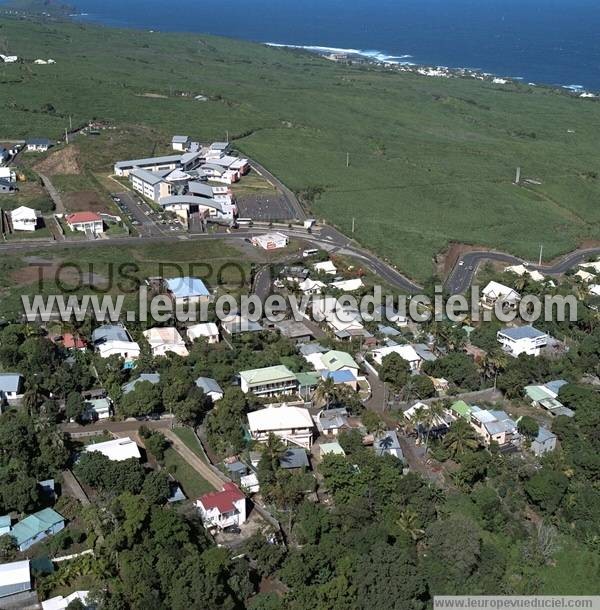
(222, 500)
(83, 217)
(69, 341)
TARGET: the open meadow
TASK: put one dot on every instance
(431, 160)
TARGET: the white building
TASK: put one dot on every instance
(24, 219)
(62, 603)
(495, 291)
(406, 352)
(111, 339)
(38, 145)
(117, 450)
(222, 509)
(187, 291)
(9, 59)
(165, 340)
(348, 285)
(210, 387)
(291, 424)
(271, 241)
(268, 381)
(11, 386)
(522, 340)
(521, 270)
(15, 578)
(325, 267)
(150, 184)
(97, 409)
(87, 222)
(208, 331)
(181, 143)
(151, 164)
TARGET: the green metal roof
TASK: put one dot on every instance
(334, 360)
(462, 408)
(536, 392)
(269, 374)
(307, 380)
(35, 524)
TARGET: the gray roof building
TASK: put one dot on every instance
(522, 332)
(294, 458)
(10, 383)
(153, 378)
(388, 443)
(208, 385)
(110, 332)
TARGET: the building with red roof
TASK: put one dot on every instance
(224, 508)
(87, 222)
(70, 341)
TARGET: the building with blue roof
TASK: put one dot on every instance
(186, 290)
(341, 377)
(5, 522)
(37, 527)
(152, 378)
(544, 442)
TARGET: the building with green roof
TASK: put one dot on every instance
(461, 408)
(335, 360)
(36, 527)
(269, 381)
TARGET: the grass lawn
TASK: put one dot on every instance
(192, 483)
(431, 160)
(191, 442)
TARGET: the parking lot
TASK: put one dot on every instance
(265, 207)
(145, 220)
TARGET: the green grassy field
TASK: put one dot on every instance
(432, 160)
(192, 483)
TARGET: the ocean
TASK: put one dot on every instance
(553, 42)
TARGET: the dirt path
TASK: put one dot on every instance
(193, 460)
(54, 195)
(73, 488)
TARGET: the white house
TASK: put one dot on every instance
(291, 424)
(585, 276)
(406, 352)
(97, 409)
(268, 381)
(38, 145)
(495, 291)
(87, 222)
(187, 290)
(522, 340)
(165, 340)
(521, 270)
(544, 442)
(15, 578)
(8, 174)
(271, 241)
(62, 603)
(309, 286)
(11, 386)
(222, 509)
(9, 59)
(208, 331)
(348, 285)
(325, 267)
(117, 450)
(24, 219)
(210, 387)
(494, 426)
(110, 339)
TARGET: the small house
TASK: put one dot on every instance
(36, 527)
(15, 578)
(210, 387)
(223, 509)
(544, 442)
(86, 222)
(180, 143)
(117, 450)
(208, 331)
(38, 145)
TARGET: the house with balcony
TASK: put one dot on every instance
(163, 340)
(269, 381)
(293, 425)
(522, 340)
(494, 426)
(223, 509)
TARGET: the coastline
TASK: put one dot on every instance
(400, 63)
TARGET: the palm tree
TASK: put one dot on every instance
(460, 438)
(434, 414)
(408, 522)
(273, 449)
(326, 391)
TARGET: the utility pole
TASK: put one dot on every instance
(353, 224)
(66, 135)
(518, 176)
(227, 136)
(70, 123)
(541, 250)
(347, 159)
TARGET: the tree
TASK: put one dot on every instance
(456, 367)
(422, 387)
(75, 406)
(546, 489)
(156, 488)
(373, 423)
(8, 546)
(157, 444)
(460, 438)
(394, 370)
(144, 399)
(528, 427)
(409, 523)
(326, 391)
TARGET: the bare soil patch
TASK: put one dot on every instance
(63, 161)
(84, 201)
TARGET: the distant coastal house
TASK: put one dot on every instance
(38, 145)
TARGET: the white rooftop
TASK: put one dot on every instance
(279, 418)
(117, 450)
(16, 572)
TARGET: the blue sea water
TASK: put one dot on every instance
(554, 42)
